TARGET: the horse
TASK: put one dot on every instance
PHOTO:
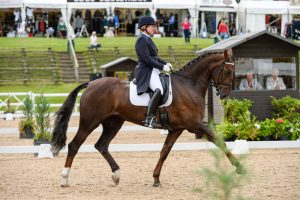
(106, 101)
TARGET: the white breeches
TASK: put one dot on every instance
(155, 81)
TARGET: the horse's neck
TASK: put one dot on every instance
(199, 73)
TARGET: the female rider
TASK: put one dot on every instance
(148, 69)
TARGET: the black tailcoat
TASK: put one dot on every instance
(148, 59)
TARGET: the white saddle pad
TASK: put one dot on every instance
(143, 100)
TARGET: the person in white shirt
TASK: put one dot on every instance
(250, 83)
(94, 41)
(274, 82)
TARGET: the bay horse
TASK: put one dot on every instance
(106, 101)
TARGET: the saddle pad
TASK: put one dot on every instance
(143, 100)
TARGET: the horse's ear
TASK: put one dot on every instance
(228, 55)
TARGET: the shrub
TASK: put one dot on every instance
(42, 116)
(221, 182)
(287, 107)
(238, 123)
(27, 121)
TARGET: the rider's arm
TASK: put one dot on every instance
(142, 51)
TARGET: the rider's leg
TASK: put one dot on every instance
(156, 86)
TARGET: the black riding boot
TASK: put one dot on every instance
(150, 120)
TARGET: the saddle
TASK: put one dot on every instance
(165, 82)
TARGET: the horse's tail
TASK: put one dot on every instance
(63, 115)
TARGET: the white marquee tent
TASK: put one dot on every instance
(11, 3)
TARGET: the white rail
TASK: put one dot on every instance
(16, 100)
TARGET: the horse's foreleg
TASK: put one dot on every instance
(221, 144)
(111, 126)
(169, 142)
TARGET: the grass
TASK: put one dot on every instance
(81, 44)
(37, 88)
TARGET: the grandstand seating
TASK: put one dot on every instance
(21, 66)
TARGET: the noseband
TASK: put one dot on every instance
(218, 82)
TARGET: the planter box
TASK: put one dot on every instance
(38, 143)
(28, 134)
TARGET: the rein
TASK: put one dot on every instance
(175, 72)
(221, 67)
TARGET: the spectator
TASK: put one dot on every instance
(274, 82)
(186, 26)
(94, 41)
(250, 83)
(223, 30)
(171, 24)
(61, 28)
(78, 24)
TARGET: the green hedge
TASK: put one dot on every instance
(239, 123)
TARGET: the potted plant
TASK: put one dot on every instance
(42, 118)
(27, 123)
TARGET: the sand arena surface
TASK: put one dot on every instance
(273, 174)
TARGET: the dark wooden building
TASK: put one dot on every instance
(122, 68)
(268, 62)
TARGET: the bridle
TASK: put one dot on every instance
(218, 82)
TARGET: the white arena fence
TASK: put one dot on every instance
(16, 101)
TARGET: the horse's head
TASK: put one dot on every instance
(222, 75)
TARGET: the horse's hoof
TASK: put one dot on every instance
(240, 170)
(116, 176)
(156, 184)
(65, 185)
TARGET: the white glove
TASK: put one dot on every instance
(167, 68)
(170, 65)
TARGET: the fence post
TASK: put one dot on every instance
(93, 60)
(25, 67)
(52, 65)
(117, 51)
(173, 56)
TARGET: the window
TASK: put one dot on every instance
(265, 73)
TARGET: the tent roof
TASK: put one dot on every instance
(239, 39)
(174, 4)
(91, 5)
(46, 4)
(11, 3)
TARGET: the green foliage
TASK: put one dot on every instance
(221, 182)
(27, 121)
(28, 107)
(236, 110)
(275, 128)
(287, 107)
(238, 122)
(42, 116)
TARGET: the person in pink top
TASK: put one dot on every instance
(186, 26)
(223, 30)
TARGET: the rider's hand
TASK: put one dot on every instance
(170, 65)
(167, 68)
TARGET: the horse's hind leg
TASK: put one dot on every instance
(221, 144)
(111, 126)
(73, 147)
(169, 142)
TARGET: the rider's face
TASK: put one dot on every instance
(151, 29)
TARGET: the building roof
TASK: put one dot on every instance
(117, 61)
(239, 39)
